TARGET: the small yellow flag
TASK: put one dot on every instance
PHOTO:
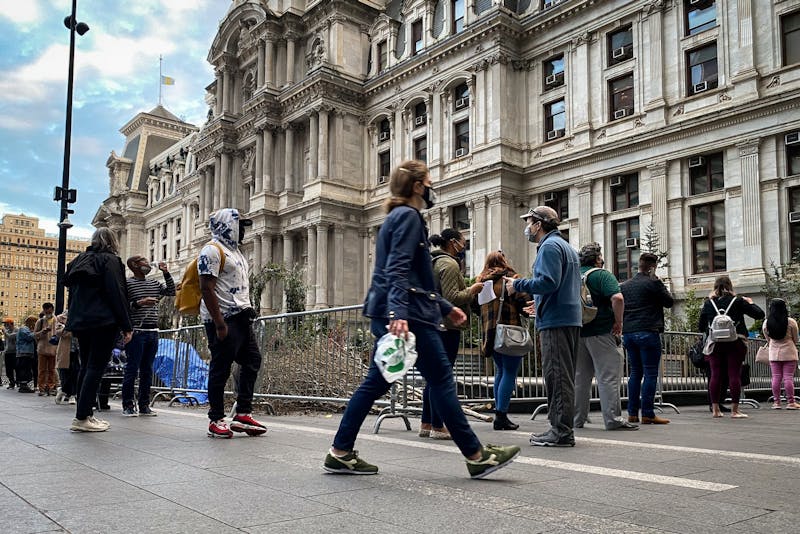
(166, 80)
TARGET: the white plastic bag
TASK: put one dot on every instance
(394, 356)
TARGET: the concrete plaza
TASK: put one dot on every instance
(163, 474)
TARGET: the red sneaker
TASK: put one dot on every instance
(244, 422)
(219, 429)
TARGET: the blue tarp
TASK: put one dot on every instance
(190, 372)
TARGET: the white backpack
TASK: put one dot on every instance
(722, 328)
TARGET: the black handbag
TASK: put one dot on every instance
(744, 374)
(511, 340)
(696, 355)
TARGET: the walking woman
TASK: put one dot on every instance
(730, 352)
(781, 332)
(508, 311)
(98, 311)
(449, 280)
(402, 293)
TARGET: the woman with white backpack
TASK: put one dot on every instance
(722, 317)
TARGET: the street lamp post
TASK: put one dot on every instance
(64, 193)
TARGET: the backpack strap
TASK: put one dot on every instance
(587, 273)
(221, 255)
(729, 305)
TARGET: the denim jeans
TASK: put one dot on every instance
(451, 339)
(644, 357)
(140, 351)
(96, 346)
(505, 379)
(239, 346)
(434, 366)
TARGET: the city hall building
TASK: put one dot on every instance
(632, 118)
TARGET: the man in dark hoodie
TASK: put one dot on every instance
(227, 315)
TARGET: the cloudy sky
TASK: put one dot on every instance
(116, 76)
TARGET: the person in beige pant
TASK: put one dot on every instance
(44, 330)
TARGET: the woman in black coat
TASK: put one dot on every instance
(731, 353)
(98, 311)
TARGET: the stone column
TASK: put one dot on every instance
(257, 253)
(584, 212)
(322, 265)
(338, 139)
(203, 191)
(751, 201)
(290, 40)
(218, 92)
(225, 183)
(279, 157)
(236, 188)
(744, 59)
(338, 259)
(269, 61)
(227, 90)
(289, 158)
(311, 281)
(288, 259)
(258, 179)
(322, 169)
(480, 247)
(260, 63)
(579, 83)
(655, 89)
(658, 185)
(313, 146)
(267, 163)
(217, 181)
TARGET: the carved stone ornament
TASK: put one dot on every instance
(638, 123)
(247, 163)
(601, 135)
(723, 97)
(316, 54)
(651, 6)
(581, 38)
(678, 111)
(775, 81)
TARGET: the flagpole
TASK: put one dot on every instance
(159, 79)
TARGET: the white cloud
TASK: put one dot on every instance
(49, 224)
(20, 13)
(16, 123)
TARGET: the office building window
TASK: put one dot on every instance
(708, 238)
(620, 96)
(461, 136)
(620, 46)
(384, 166)
(701, 15)
(555, 120)
(626, 248)
(559, 201)
(416, 37)
(382, 55)
(792, 141)
(553, 72)
(624, 191)
(790, 38)
(458, 10)
(421, 149)
(701, 66)
(461, 97)
(384, 131)
(706, 173)
(794, 221)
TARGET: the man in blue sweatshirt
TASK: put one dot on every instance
(555, 287)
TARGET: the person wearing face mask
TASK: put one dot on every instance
(44, 330)
(143, 296)
(227, 316)
(403, 293)
(450, 252)
(555, 287)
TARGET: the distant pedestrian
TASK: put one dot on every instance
(402, 293)
(730, 352)
(506, 366)
(45, 332)
(227, 315)
(26, 344)
(555, 287)
(98, 311)
(781, 332)
(598, 355)
(144, 295)
(67, 362)
(10, 353)
(645, 299)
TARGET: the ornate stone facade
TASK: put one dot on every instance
(621, 114)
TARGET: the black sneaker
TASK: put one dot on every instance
(549, 439)
(349, 464)
(25, 388)
(146, 411)
(492, 458)
(129, 412)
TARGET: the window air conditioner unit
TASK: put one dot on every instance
(552, 134)
(698, 231)
(632, 242)
(699, 161)
(383, 136)
(549, 197)
(551, 80)
(419, 121)
(462, 103)
(693, 2)
(618, 52)
(793, 138)
(620, 113)
(382, 180)
(617, 181)
(700, 87)
(794, 217)
(551, 3)
(461, 152)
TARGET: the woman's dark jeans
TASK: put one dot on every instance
(95, 346)
(451, 339)
(434, 366)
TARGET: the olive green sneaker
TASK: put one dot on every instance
(349, 464)
(493, 457)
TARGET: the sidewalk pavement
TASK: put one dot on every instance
(163, 474)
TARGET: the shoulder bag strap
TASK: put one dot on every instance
(502, 300)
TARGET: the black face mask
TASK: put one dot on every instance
(429, 196)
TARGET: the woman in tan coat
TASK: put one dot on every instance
(67, 362)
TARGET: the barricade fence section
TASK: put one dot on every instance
(323, 356)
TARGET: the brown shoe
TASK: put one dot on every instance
(633, 418)
(655, 420)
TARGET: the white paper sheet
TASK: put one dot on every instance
(487, 293)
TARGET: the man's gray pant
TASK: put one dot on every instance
(559, 351)
(599, 357)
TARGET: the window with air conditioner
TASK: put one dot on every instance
(384, 166)
(461, 96)
(793, 204)
(701, 15)
(420, 114)
(792, 141)
(461, 136)
(559, 201)
(549, 197)
(555, 119)
(707, 233)
(624, 191)
(626, 258)
(620, 96)
(706, 173)
(382, 180)
(790, 38)
(794, 217)
(553, 71)
(701, 65)
(384, 131)
(620, 45)
(632, 242)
